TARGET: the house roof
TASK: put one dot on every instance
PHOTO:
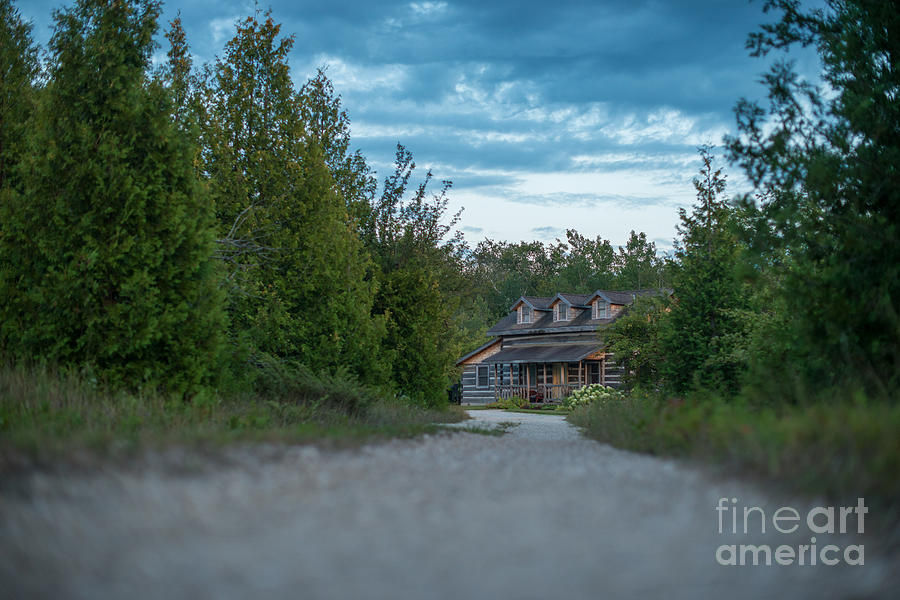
(544, 323)
(535, 302)
(544, 353)
(574, 299)
(623, 297)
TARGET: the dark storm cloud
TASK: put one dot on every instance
(643, 54)
(688, 54)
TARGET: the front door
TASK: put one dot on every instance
(559, 373)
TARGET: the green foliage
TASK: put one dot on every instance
(327, 123)
(106, 253)
(636, 265)
(511, 402)
(297, 383)
(302, 283)
(44, 414)
(420, 282)
(699, 329)
(844, 449)
(502, 272)
(824, 162)
(634, 339)
(698, 337)
(20, 66)
(590, 394)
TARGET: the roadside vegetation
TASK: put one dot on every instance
(46, 415)
(778, 350)
(841, 449)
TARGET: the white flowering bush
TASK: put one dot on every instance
(590, 394)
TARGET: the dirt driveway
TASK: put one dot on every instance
(539, 512)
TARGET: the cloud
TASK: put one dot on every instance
(579, 110)
(548, 233)
(222, 29)
(593, 200)
(428, 9)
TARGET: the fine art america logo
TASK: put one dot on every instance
(821, 520)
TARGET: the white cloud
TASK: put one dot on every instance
(427, 8)
(663, 125)
(349, 77)
(222, 29)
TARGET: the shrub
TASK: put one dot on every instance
(296, 383)
(512, 402)
(591, 394)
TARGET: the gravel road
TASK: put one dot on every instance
(539, 512)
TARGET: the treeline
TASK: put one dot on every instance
(790, 295)
(185, 228)
(502, 271)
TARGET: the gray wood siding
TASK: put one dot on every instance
(614, 372)
(471, 393)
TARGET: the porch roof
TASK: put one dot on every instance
(544, 353)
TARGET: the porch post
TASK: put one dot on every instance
(603, 370)
(580, 376)
(496, 385)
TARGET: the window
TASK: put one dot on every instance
(524, 314)
(481, 376)
(601, 309)
(593, 372)
(542, 374)
(562, 312)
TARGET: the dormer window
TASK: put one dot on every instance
(560, 312)
(601, 309)
(524, 315)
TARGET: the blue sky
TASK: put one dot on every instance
(546, 115)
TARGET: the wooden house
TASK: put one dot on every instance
(545, 348)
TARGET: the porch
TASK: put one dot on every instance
(546, 382)
(537, 370)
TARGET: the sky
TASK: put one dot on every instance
(546, 115)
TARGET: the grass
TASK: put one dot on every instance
(842, 450)
(45, 416)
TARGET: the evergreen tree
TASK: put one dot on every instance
(420, 283)
(110, 245)
(329, 124)
(19, 67)
(697, 336)
(303, 284)
(825, 165)
(177, 73)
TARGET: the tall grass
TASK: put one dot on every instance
(44, 413)
(843, 450)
